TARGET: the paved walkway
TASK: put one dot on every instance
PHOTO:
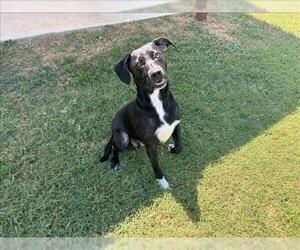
(22, 25)
(18, 21)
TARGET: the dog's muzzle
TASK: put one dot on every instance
(160, 84)
(157, 76)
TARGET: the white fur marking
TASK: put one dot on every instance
(164, 132)
(170, 147)
(163, 183)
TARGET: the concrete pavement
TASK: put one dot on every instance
(22, 19)
(23, 25)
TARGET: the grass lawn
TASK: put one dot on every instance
(236, 79)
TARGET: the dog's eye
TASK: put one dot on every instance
(157, 55)
(139, 65)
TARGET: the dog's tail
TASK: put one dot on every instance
(107, 150)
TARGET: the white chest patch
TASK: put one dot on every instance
(165, 130)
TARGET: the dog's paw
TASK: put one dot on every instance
(115, 167)
(173, 150)
(163, 183)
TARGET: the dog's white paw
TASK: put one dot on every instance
(170, 147)
(115, 167)
(163, 183)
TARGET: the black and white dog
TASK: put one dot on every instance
(154, 116)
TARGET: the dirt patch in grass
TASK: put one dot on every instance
(221, 28)
(11, 63)
(182, 24)
(51, 50)
(82, 45)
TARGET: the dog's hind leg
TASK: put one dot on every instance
(115, 162)
(120, 142)
(107, 150)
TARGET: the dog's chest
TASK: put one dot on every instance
(165, 130)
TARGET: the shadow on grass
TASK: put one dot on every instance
(225, 105)
(229, 93)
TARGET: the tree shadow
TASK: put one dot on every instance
(230, 104)
(225, 104)
(259, 94)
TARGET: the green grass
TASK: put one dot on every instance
(237, 82)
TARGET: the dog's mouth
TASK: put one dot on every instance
(161, 83)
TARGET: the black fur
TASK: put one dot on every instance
(122, 70)
(139, 120)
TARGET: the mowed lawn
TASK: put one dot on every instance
(237, 80)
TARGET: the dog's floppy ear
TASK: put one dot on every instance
(163, 43)
(122, 69)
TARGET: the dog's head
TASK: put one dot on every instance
(147, 65)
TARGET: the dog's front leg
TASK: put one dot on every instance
(177, 146)
(152, 153)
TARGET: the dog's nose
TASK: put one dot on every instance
(156, 74)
